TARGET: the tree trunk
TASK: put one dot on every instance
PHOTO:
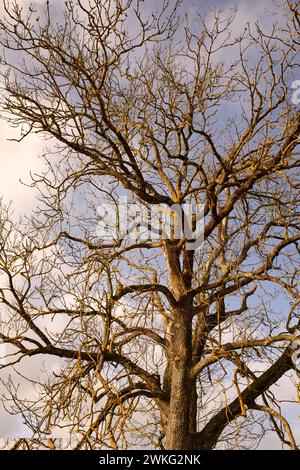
(177, 433)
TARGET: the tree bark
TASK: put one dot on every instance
(208, 437)
(177, 433)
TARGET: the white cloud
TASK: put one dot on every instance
(17, 159)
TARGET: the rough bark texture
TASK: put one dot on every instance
(180, 387)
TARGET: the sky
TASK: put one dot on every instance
(18, 159)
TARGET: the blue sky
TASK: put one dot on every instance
(18, 159)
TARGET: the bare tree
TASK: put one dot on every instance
(155, 343)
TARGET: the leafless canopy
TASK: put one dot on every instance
(147, 342)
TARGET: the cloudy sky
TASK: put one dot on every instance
(17, 159)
